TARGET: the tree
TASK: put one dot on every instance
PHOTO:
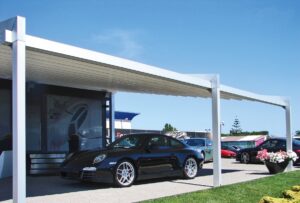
(236, 127)
(168, 128)
(297, 132)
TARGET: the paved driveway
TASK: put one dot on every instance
(54, 189)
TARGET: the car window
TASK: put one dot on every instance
(225, 147)
(158, 141)
(281, 144)
(270, 144)
(195, 142)
(175, 143)
(128, 142)
(266, 144)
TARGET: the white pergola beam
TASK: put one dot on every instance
(19, 108)
(117, 62)
(217, 170)
(235, 93)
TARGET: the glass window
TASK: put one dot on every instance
(68, 116)
(33, 125)
(195, 142)
(5, 113)
(266, 144)
(281, 144)
(128, 142)
(175, 143)
(158, 141)
(269, 144)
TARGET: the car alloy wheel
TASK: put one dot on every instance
(190, 168)
(124, 174)
(245, 158)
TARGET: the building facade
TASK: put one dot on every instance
(243, 141)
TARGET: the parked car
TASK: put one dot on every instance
(202, 145)
(134, 157)
(227, 153)
(232, 148)
(248, 155)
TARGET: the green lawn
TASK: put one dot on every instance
(251, 191)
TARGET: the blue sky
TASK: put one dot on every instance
(253, 45)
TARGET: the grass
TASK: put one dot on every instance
(251, 191)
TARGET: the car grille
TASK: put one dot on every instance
(88, 175)
(69, 174)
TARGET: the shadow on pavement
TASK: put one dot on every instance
(208, 172)
(186, 183)
(49, 185)
(259, 173)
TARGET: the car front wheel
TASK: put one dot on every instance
(190, 169)
(245, 158)
(125, 174)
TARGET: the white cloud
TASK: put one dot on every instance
(120, 42)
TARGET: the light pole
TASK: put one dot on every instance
(221, 124)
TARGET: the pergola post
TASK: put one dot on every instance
(19, 108)
(112, 117)
(289, 138)
(216, 131)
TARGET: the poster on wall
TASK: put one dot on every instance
(68, 117)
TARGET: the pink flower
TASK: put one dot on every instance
(276, 157)
(263, 155)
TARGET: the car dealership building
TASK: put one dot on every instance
(50, 90)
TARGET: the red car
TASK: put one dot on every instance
(227, 153)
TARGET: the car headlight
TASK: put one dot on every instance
(99, 158)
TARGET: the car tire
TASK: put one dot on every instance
(125, 174)
(190, 168)
(245, 158)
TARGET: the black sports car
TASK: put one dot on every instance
(248, 155)
(134, 157)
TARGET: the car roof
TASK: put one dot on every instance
(295, 141)
(145, 134)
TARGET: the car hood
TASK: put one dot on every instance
(227, 151)
(86, 158)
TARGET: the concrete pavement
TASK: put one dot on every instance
(53, 189)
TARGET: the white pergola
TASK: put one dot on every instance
(28, 58)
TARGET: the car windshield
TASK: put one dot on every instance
(195, 142)
(131, 141)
